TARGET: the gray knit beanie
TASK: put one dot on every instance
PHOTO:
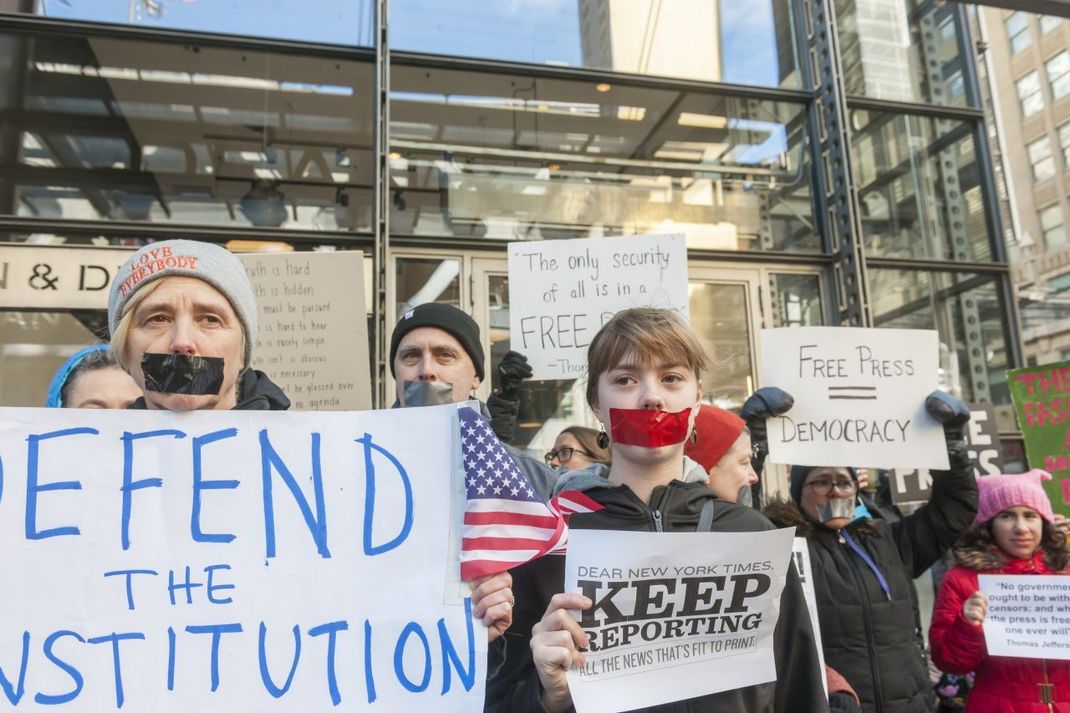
(187, 258)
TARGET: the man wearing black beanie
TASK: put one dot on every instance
(436, 356)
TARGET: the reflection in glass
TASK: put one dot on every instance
(421, 280)
(112, 129)
(918, 187)
(527, 158)
(796, 300)
(33, 345)
(902, 50)
(966, 311)
(720, 314)
(748, 42)
(347, 22)
(546, 407)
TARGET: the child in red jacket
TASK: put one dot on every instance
(1013, 533)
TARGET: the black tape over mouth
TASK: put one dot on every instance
(182, 374)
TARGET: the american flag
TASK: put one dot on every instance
(506, 523)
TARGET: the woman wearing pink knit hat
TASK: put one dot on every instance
(1014, 533)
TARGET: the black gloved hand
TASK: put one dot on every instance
(512, 369)
(953, 415)
(766, 402)
(503, 417)
(841, 702)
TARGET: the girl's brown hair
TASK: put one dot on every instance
(649, 335)
(588, 440)
(978, 540)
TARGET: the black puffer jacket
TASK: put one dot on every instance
(256, 392)
(875, 640)
(514, 685)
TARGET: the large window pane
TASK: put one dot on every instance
(1041, 160)
(521, 157)
(902, 50)
(110, 129)
(748, 42)
(965, 309)
(1051, 225)
(1030, 95)
(1017, 25)
(335, 21)
(1058, 69)
(796, 300)
(918, 187)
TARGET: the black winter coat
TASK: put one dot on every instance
(256, 392)
(875, 640)
(514, 687)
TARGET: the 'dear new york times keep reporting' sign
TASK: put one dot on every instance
(676, 615)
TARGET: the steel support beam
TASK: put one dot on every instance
(381, 215)
(836, 204)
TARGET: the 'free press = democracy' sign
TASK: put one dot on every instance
(859, 397)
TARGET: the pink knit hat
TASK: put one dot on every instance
(999, 492)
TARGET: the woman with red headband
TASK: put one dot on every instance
(1014, 532)
(644, 369)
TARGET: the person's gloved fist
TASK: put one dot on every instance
(512, 369)
(841, 702)
(953, 415)
(766, 402)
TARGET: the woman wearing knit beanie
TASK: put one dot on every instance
(864, 565)
(1013, 533)
(183, 317)
(724, 452)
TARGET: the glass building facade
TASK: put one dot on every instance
(827, 160)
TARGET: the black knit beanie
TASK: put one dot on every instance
(447, 318)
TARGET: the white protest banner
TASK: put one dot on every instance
(313, 330)
(1028, 615)
(859, 397)
(669, 604)
(800, 551)
(232, 560)
(561, 292)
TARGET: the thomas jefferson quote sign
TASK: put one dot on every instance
(561, 292)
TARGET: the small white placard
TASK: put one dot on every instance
(1028, 615)
(859, 397)
(561, 292)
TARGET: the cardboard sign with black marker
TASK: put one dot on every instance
(982, 434)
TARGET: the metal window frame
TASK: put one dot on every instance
(834, 200)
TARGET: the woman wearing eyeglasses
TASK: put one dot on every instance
(864, 567)
(576, 448)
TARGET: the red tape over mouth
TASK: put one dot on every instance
(648, 428)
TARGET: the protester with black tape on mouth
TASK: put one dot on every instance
(436, 357)
(864, 566)
(92, 378)
(644, 370)
(183, 323)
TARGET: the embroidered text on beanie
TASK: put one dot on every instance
(217, 266)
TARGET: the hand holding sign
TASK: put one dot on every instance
(857, 396)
